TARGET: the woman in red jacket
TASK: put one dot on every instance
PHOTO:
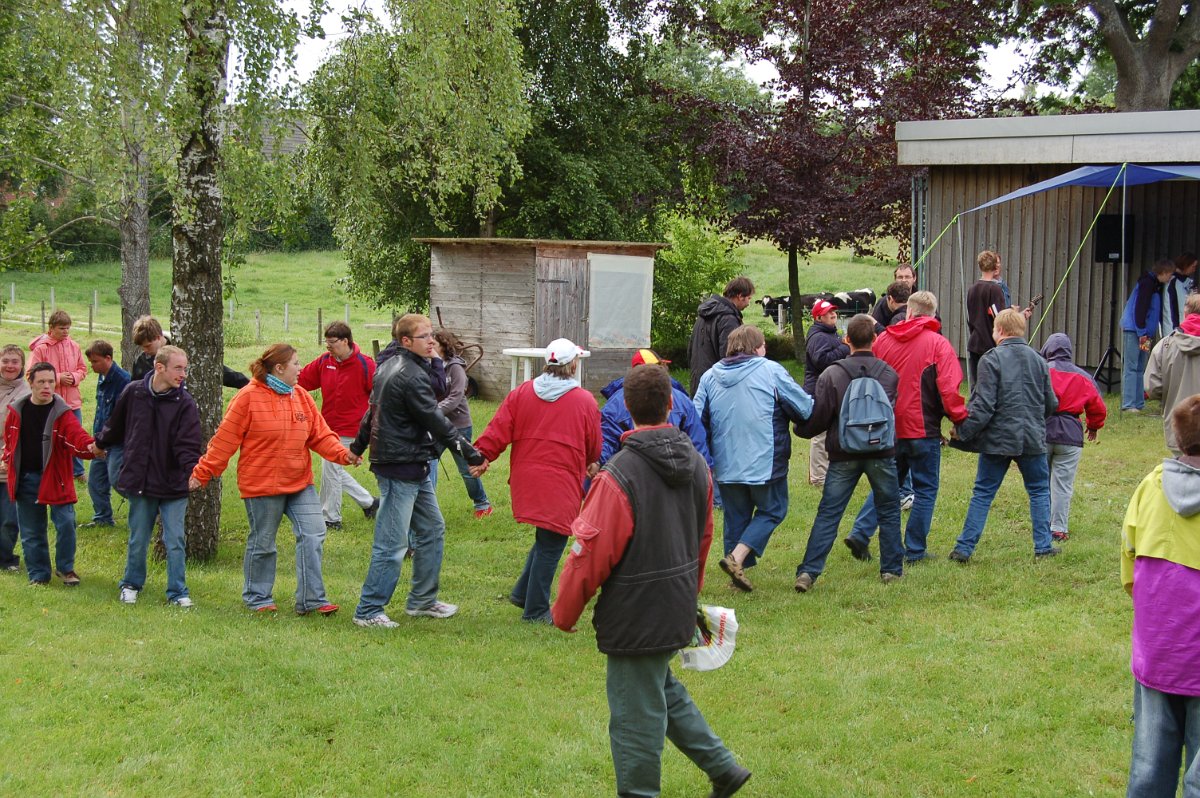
(553, 426)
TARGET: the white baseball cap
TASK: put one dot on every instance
(562, 351)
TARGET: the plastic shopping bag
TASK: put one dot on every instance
(713, 643)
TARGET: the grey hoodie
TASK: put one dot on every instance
(1173, 372)
(1181, 486)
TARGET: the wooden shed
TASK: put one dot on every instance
(972, 161)
(512, 293)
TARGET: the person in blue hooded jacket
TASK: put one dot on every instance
(746, 403)
(1139, 323)
(615, 419)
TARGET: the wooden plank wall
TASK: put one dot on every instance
(486, 295)
(562, 291)
(1037, 236)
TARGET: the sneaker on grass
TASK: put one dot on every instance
(128, 595)
(183, 601)
(438, 609)
(381, 620)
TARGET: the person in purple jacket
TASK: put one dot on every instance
(1160, 569)
(157, 422)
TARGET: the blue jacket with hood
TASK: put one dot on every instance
(615, 419)
(746, 403)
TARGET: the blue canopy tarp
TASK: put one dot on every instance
(1102, 177)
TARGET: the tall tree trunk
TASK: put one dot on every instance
(135, 253)
(797, 310)
(196, 233)
(1149, 65)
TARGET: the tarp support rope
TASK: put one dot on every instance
(1045, 314)
(933, 243)
(962, 276)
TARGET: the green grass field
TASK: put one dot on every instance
(1003, 678)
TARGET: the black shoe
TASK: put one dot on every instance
(860, 551)
(369, 512)
(730, 783)
(1053, 551)
(331, 526)
(958, 557)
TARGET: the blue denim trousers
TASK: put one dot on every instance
(752, 512)
(840, 481)
(1166, 728)
(474, 485)
(532, 590)
(77, 463)
(1133, 372)
(647, 705)
(102, 480)
(142, 512)
(920, 459)
(10, 532)
(34, 542)
(303, 509)
(404, 505)
(1035, 472)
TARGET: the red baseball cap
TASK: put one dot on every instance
(821, 307)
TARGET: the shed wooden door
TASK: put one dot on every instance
(560, 309)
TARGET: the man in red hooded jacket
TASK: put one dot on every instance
(41, 435)
(928, 391)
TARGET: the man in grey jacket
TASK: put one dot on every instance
(1006, 421)
(1173, 373)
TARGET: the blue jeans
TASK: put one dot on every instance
(752, 512)
(32, 518)
(840, 481)
(1164, 727)
(920, 459)
(10, 532)
(647, 704)
(988, 476)
(102, 479)
(142, 512)
(76, 463)
(474, 485)
(1133, 372)
(404, 505)
(532, 590)
(303, 509)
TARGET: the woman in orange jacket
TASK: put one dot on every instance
(276, 426)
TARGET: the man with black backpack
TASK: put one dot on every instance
(855, 407)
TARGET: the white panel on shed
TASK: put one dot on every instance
(621, 289)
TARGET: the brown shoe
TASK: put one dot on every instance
(70, 579)
(889, 578)
(736, 573)
(804, 583)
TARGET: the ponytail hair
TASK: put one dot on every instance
(275, 355)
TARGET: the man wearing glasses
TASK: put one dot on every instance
(401, 425)
(344, 376)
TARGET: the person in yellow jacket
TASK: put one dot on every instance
(1160, 569)
(276, 426)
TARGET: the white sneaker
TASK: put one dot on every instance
(438, 609)
(182, 601)
(128, 595)
(906, 502)
(381, 620)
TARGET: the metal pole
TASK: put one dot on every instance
(43, 314)
(91, 314)
(53, 305)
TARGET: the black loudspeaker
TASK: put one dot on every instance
(1108, 238)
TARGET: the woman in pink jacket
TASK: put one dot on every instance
(56, 348)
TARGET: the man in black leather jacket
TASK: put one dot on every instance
(401, 426)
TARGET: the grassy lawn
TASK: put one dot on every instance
(1003, 678)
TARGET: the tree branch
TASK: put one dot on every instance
(1116, 31)
(43, 239)
(64, 170)
(1164, 26)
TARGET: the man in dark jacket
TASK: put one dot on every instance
(823, 348)
(884, 312)
(845, 468)
(400, 425)
(148, 334)
(157, 424)
(1006, 421)
(895, 301)
(102, 474)
(643, 537)
(716, 318)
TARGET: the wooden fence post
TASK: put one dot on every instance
(320, 327)
(91, 314)
(375, 348)
(258, 326)
(285, 317)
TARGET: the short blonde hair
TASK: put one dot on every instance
(164, 354)
(1010, 321)
(146, 329)
(922, 303)
(1192, 304)
(744, 340)
(988, 261)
